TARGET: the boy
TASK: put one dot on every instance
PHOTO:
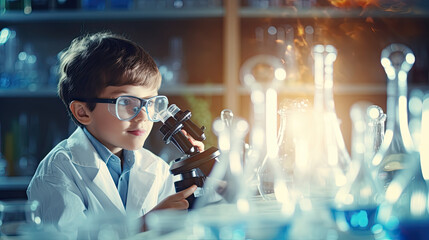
(109, 86)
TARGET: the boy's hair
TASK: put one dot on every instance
(95, 61)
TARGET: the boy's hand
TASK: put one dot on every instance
(176, 201)
(196, 143)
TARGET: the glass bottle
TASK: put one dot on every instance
(397, 60)
(356, 203)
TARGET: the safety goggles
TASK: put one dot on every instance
(126, 108)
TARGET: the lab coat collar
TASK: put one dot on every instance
(142, 174)
(84, 155)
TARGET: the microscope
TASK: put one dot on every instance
(194, 166)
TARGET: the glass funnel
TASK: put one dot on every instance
(356, 203)
(397, 60)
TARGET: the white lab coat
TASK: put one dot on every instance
(73, 182)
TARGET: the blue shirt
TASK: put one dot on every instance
(120, 176)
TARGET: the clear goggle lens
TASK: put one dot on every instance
(128, 107)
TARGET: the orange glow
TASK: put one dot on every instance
(354, 3)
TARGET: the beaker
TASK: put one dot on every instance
(355, 205)
(397, 60)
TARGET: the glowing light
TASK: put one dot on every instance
(22, 56)
(385, 62)
(37, 220)
(393, 192)
(280, 74)
(410, 58)
(330, 58)
(374, 112)
(257, 97)
(415, 105)
(4, 35)
(242, 126)
(235, 163)
(418, 204)
(243, 205)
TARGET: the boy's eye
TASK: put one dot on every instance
(124, 101)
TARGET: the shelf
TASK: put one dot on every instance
(196, 89)
(14, 183)
(173, 90)
(341, 89)
(45, 92)
(290, 12)
(79, 15)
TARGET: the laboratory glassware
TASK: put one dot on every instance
(404, 214)
(262, 74)
(293, 116)
(355, 205)
(374, 133)
(329, 157)
(220, 211)
(397, 60)
(15, 214)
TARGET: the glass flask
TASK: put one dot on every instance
(374, 133)
(219, 212)
(329, 158)
(404, 214)
(392, 156)
(356, 203)
(293, 114)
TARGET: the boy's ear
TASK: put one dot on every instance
(81, 112)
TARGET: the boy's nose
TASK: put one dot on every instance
(141, 116)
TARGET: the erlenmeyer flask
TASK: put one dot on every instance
(397, 60)
(356, 203)
(292, 119)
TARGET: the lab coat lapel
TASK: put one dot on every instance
(104, 181)
(84, 155)
(140, 183)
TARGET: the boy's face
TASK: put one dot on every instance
(114, 133)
